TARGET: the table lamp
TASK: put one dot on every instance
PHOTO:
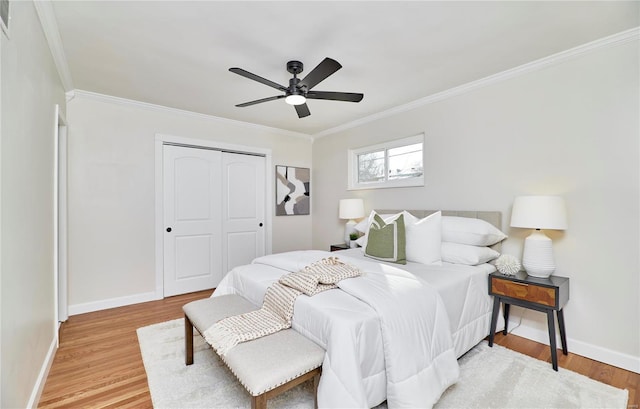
(350, 209)
(539, 212)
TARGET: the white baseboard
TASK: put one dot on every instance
(113, 303)
(609, 357)
(42, 376)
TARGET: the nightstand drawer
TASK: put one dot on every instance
(524, 291)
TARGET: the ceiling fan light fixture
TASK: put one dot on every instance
(295, 99)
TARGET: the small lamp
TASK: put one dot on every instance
(539, 212)
(350, 209)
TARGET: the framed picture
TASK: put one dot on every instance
(293, 191)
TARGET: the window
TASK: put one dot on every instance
(392, 164)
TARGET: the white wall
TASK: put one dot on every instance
(30, 90)
(112, 199)
(569, 129)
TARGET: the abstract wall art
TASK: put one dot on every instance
(292, 191)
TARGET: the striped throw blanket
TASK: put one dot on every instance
(277, 308)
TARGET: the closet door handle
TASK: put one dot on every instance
(168, 229)
(260, 225)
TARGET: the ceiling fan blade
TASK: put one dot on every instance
(302, 110)
(335, 96)
(327, 67)
(258, 78)
(258, 101)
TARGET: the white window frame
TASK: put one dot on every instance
(353, 183)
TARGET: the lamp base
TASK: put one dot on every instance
(537, 258)
(349, 227)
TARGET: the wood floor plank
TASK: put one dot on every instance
(99, 365)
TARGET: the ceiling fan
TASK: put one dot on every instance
(299, 90)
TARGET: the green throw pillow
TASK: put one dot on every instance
(386, 242)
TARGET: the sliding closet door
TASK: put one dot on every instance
(243, 209)
(192, 208)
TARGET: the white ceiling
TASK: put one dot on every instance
(177, 53)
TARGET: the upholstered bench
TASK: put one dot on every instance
(265, 366)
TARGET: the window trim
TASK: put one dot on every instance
(353, 183)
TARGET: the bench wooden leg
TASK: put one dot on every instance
(188, 341)
(316, 381)
(259, 402)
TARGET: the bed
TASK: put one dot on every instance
(375, 349)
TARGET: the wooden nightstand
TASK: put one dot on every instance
(541, 294)
(341, 246)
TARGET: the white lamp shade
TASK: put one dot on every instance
(539, 212)
(351, 208)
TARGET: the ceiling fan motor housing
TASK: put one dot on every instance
(294, 89)
(295, 68)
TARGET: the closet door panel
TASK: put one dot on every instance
(192, 219)
(243, 209)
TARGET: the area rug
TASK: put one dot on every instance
(489, 378)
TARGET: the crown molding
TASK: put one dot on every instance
(77, 93)
(610, 41)
(49, 24)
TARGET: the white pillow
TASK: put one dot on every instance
(474, 232)
(362, 241)
(466, 254)
(424, 238)
(409, 218)
(363, 225)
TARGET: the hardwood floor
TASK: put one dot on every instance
(99, 365)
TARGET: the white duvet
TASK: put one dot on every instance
(386, 334)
